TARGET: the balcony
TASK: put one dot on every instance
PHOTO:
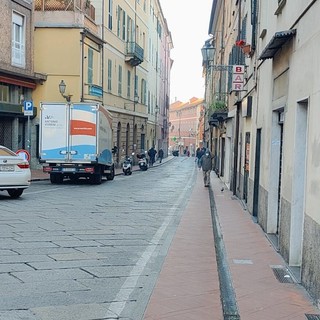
(134, 54)
(83, 6)
(218, 113)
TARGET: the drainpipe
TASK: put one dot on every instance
(83, 35)
(102, 53)
(236, 137)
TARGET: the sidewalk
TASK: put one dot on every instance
(188, 285)
(38, 174)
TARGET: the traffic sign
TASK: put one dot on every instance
(28, 108)
(24, 154)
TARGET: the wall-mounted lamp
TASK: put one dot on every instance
(62, 90)
(207, 53)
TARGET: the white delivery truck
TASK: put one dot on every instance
(76, 141)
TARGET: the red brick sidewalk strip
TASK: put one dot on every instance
(188, 285)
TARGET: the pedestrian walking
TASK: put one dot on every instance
(206, 165)
(152, 155)
(199, 154)
(160, 155)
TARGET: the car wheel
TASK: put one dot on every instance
(15, 193)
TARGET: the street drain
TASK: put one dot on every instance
(282, 275)
(313, 316)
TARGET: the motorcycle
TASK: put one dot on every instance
(143, 162)
(127, 166)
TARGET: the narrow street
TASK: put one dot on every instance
(81, 251)
(156, 245)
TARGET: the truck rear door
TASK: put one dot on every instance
(83, 132)
(54, 130)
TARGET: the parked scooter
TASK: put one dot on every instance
(127, 165)
(143, 161)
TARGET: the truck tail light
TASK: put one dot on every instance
(47, 169)
(89, 169)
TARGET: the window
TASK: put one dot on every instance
(110, 8)
(109, 75)
(18, 40)
(136, 85)
(128, 84)
(120, 81)
(159, 28)
(90, 65)
(130, 31)
(143, 91)
(4, 93)
(123, 25)
(119, 21)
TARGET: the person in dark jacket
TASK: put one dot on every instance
(152, 155)
(206, 165)
(199, 154)
(160, 155)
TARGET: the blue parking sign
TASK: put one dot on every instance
(28, 108)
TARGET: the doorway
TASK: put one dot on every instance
(118, 142)
(257, 175)
(246, 167)
(298, 184)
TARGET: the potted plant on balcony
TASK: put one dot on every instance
(218, 106)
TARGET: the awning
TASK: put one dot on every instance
(277, 41)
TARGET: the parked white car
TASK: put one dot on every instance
(15, 174)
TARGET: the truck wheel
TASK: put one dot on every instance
(110, 176)
(96, 178)
(56, 178)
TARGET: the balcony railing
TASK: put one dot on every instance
(66, 5)
(134, 53)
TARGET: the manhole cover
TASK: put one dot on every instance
(282, 275)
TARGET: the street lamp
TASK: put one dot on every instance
(62, 90)
(207, 52)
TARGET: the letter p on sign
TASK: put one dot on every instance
(28, 108)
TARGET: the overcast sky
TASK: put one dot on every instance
(188, 22)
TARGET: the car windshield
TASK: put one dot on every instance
(6, 152)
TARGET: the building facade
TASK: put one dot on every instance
(17, 76)
(137, 74)
(186, 126)
(116, 53)
(270, 159)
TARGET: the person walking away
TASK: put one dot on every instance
(199, 154)
(152, 155)
(206, 165)
(160, 155)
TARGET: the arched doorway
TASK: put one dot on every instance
(143, 139)
(127, 140)
(134, 143)
(118, 142)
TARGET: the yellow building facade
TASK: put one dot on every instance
(111, 52)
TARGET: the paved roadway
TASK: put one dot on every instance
(84, 252)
